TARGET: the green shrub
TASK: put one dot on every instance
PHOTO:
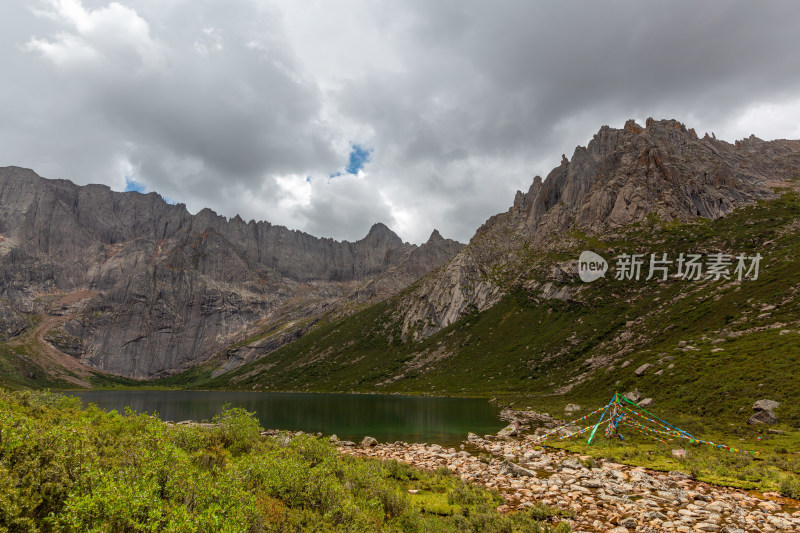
(790, 487)
(465, 494)
(238, 430)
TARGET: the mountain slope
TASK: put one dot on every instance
(144, 289)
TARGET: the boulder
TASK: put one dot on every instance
(642, 369)
(634, 396)
(508, 431)
(515, 470)
(765, 405)
(572, 407)
(573, 463)
(369, 441)
(334, 438)
(763, 417)
(647, 402)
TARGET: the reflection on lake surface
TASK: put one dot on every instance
(351, 416)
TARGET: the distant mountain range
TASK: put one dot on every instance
(127, 284)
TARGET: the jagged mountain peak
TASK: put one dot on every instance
(381, 230)
(435, 237)
(622, 175)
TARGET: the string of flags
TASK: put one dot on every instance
(619, 412)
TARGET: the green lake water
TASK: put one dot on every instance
(388, 418)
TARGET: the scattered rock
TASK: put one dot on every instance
(572, 407)
(647, 402)
(606, 497)
(681, 453)
(642, 369)
(369, 441)
(334, 438)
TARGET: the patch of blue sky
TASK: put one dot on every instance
(359, 156)
(133, 185)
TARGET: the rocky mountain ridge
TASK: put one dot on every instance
(621, 177)
(145, 288)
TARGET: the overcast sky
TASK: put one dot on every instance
(330, 116)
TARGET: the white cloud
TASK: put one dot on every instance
(65, 50)
(114, 34)
(211, 41)
(231, 105)
(296, 191)
(776, 120)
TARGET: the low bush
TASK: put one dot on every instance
(64, 469)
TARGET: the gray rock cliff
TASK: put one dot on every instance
(158, 289)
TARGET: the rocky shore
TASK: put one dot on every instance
(603, 496)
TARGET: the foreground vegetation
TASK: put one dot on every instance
(64, 468)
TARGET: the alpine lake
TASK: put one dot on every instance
(388, 418)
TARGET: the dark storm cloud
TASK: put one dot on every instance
(233, 105)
